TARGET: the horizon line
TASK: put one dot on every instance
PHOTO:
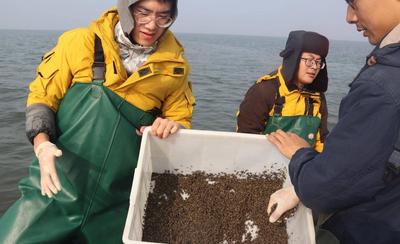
(179, 32)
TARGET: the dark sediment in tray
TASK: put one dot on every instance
(206, 208)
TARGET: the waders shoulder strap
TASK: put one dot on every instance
(98, 64)
(279, 101)
(322, 101)
(309, 110)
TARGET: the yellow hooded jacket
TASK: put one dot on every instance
(295, 103)
(161, 82)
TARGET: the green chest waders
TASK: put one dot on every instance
(100, 148)
(306, 126)
(323, 236)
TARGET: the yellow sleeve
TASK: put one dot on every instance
(319, 145)
(323, 128)
(179, 104)
(58, 67)
(52, 79)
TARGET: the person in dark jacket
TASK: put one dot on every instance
(292, 97)
(355, 181)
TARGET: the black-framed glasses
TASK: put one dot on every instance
(311, 62)
(144, 17)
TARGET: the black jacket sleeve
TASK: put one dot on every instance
(254, 109)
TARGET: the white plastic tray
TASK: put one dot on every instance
(211, 152)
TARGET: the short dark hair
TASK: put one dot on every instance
(174, 6)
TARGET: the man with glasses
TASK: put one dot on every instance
(94, 94)
(355, 181)
(292, 97)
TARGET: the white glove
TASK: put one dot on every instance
(49, 182)
(285, 198)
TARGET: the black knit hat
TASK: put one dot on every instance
(305, 41)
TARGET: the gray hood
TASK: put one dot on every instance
(126, 18)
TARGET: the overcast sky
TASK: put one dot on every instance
(251, 17)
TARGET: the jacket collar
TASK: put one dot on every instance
(392, 37)
(169, 48)
(289, 86)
